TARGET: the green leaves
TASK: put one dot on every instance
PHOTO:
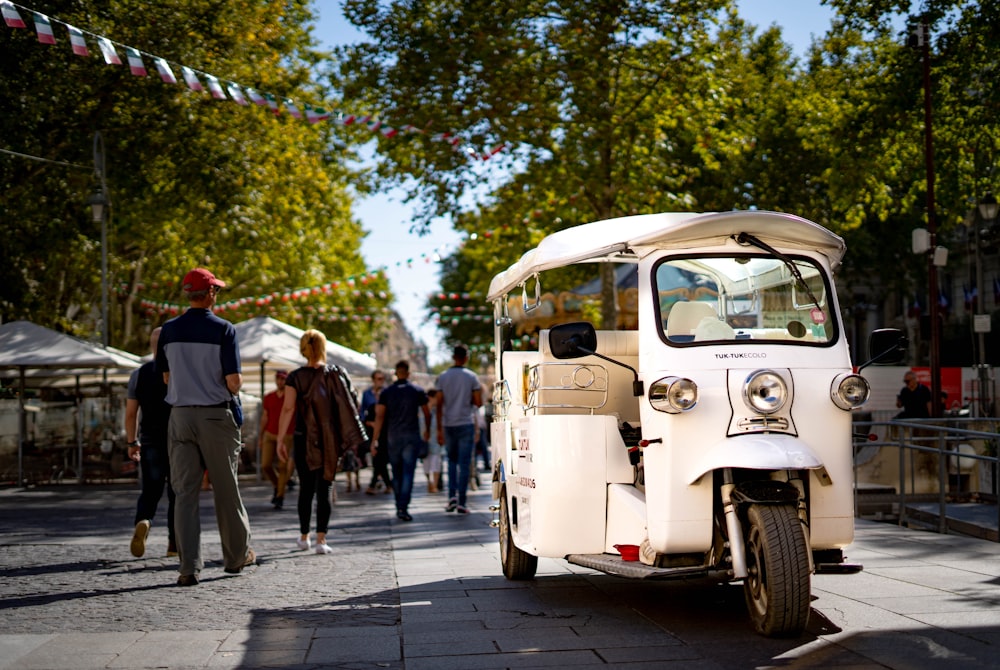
(261, 199)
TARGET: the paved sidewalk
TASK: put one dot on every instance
(430, 594)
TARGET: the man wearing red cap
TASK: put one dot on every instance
(200, 360)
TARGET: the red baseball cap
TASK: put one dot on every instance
(200, 279)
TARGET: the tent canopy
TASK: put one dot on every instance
(267, 344)
(51, 359)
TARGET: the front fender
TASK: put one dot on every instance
(757, 452)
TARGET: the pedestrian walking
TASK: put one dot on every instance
(399, 408)
(380, 457)
(199, 357)
(146, 417)
(432, 462)
(460, 395)
(321, 412)
(279, 473)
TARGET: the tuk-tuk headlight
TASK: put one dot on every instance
(673, 395)
(849, 390)
(765, 392)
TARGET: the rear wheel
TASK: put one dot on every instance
(517, 564)
(777, 587)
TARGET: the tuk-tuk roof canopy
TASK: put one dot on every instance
(628, 238)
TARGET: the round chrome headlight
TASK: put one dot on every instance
(765, 392)
(849, 391)
(673, 395)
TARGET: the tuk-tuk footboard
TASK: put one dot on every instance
(614, 565)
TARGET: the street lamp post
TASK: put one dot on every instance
(99, 205)
(988, 207)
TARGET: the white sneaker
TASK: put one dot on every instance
(304, 545)
(323, 548)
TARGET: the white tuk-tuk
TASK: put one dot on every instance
(715, 441)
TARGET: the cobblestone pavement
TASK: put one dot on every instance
(429, 595)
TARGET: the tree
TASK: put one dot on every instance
(571, 85)
(262, 200)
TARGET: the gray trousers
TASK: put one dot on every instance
(207, 437)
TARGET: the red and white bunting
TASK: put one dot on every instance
(214, 87)
(108, 51)
(10, 15)
(239, 94)
(236, 94)
(135, 64)
(44, 29)
(191, 79)
(163, 67)
(292, 109)
(255, 97)
(78, 41)
(272, 103)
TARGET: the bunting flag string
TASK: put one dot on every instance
(134, 58)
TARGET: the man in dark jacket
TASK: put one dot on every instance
(147, 444)
(398, 408)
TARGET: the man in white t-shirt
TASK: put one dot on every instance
(460, 395)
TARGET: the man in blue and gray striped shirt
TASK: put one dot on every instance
(199, 357)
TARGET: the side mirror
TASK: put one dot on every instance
(887, 346)
(573, 340)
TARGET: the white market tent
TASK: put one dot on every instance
(267, 345)
(26, 346)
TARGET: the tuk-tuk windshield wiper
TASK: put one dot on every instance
(746, 238)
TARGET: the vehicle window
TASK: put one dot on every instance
(742, 299)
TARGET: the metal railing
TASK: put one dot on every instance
(940, 437)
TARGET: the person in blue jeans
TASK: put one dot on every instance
(460, 395)
(399, 407)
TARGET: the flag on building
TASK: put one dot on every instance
(78, 41)
(44, 29)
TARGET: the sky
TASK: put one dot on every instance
(409, 259)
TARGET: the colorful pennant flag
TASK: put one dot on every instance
(78, 41)
(135, 64)
(316, 114)
(272, 103)
(235, 93)
(191, 79)
(255, 97)
(292, 109)
(166, 74)
(214, 87)
(108, 50)
(10, 15)
(44, 29)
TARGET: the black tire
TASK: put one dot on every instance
(777, 587)
(517, 564)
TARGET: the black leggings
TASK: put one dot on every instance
(311, 483)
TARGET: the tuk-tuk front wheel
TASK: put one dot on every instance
(517, 564)
(777, 587)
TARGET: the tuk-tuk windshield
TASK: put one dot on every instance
(743, 299)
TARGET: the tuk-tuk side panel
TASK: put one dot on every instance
(679, 512)
(562, 483)
(828, 430)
